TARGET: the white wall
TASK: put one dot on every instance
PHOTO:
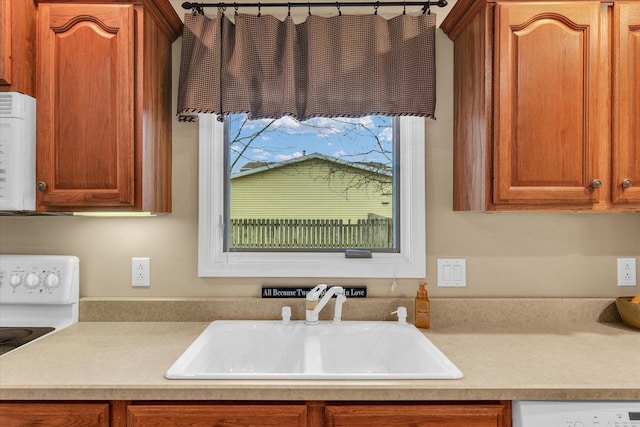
(508, 254)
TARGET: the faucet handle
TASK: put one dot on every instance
(402, 315)
(315, 293)
(286, 314)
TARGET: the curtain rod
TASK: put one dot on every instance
(425, 4)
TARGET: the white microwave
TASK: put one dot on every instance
(17, 152)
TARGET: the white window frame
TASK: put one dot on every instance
(213, 261)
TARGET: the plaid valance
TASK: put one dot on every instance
(340, 66)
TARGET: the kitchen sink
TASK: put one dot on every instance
(294, 350)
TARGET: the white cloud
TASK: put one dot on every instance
(260, 154)
(319, 126)
(283, 157)
(386, 135)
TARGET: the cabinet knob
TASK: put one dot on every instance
(627, 183)
(42, 186)
(596, 183)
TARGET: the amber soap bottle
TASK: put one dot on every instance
(422, 308)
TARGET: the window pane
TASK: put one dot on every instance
(323, 184)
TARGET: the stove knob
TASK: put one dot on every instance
(52, 281)
(15, 280)
(32, 281)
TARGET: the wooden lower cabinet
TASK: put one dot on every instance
(322, 414)
(418, 415)
(67, 414)
(188, 415)
(256, 414)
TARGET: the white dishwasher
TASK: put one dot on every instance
(538, 413)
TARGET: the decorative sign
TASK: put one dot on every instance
(301, 292)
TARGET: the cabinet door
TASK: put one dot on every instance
(54, 414)
(85, 154)
(17, 46)
(626, 103)
(472, 415)
(5, 42)
(547, 118)
(217, 415)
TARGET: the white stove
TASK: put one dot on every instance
(38, 296)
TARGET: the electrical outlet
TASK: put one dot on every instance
(626, 272)
(140, 271)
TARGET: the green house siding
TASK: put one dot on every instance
(311, 189)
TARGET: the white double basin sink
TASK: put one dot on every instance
(294, 350)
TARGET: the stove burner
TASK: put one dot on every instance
(13, 337)
(12, 334)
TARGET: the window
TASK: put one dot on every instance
(241, 234)
(322, 184)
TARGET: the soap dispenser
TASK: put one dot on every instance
(422, 313)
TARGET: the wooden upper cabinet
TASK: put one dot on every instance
(104, 113)
(85, 105)
(545, 105)
(626, 103)
(5, 43)
(17, 46)
(547, 132)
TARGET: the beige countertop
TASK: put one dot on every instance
(500, 360)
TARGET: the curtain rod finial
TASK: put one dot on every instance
(196, 7)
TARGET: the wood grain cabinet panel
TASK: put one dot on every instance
(280, 415)
(256, 414)
(327, 414)
(17, 46)
(104, 121)
(85, 105)
(54, 414)
(5, 43)
(626, 103)
(417, 415)
(547, 84)
(545, 105)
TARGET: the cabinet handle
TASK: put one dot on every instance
(42, 186)
(596, 183)
(627, 183)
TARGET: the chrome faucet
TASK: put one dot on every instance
(315, 304)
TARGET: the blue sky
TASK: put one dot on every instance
(365, 139)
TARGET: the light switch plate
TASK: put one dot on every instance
(452, 272)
